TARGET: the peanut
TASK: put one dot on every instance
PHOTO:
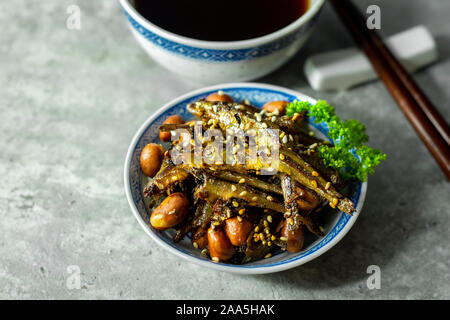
(237, 231)
(151, 159)
(174, 119)
(276, 105)
(295, 238)
(308, 200)
(170, 212)
(219, 245)
(219, 97)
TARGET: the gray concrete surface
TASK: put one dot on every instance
(70, 102)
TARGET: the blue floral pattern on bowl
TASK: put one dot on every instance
(220, 55)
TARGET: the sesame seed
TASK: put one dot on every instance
(314, 183)
(267, 256)
(216, 223)
(273, 238)
(269, 218)
(242, 211)
(265, 223)
(215, 259)
(282, 134)
(214, 108)
(269, 243)
(328, 185)
(284, 140)
(283, 238)
(242, 180)
(321, 228)
(315, 173)
(264, 125)
(276, 112)
(335, 201)
(332, 205)
(254, 198)
(243, 193)
(195, 245)
(239, 219)
(273, 119)
(281, 156)
(261, 236)
(291, 138)
(235, 204)
(257, 229)
(311, 133)
(313, 146)
(291, 221)
(258, 118)
(263, 242)
(220, 93)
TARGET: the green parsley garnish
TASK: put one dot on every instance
(348, 136)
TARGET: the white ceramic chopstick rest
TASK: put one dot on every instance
(343, 69)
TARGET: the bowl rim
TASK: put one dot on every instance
(224, 45)
(256, 269)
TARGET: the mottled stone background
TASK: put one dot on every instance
(70, 102)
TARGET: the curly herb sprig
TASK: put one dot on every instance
(347, 136)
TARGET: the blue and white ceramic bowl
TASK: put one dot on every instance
(213, 61)
(337, 224)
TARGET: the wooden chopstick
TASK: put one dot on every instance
(418, 109)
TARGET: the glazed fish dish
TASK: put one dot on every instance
(244, 183)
